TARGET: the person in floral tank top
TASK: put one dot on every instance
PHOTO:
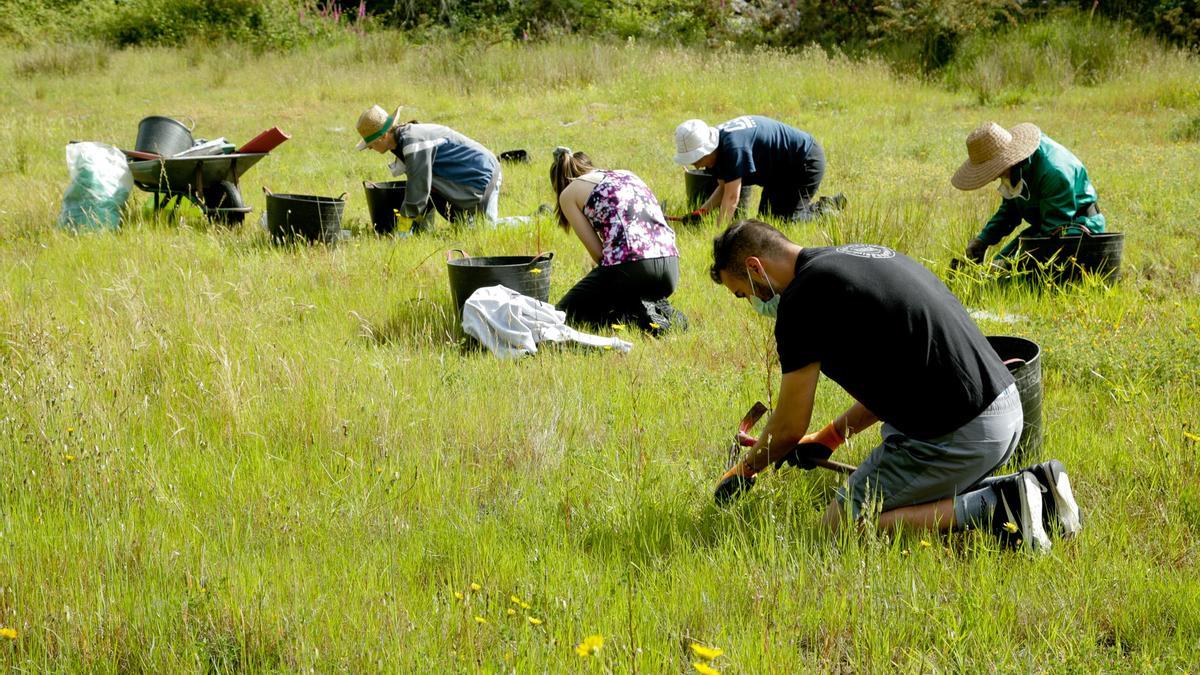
(622, 226)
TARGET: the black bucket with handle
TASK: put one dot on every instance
(383, 202)
(1024, 360)
(162, 136)
(527, 275)
(699, 185)
(1067, 258)
(315, 218)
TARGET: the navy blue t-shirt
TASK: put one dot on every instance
(891, 334)
(760, 150)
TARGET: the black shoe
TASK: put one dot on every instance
(658, 317)
(1017, 520)
(832, 204)
(1060, 513)
(677, 321)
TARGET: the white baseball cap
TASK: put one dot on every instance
(693, 140)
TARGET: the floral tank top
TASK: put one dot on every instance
(628, 220)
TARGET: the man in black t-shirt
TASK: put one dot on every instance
(894, 337)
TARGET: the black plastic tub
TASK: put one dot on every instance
(310, 217)
(1024, 360)
(1067, 258)
(527, 275)
(162, 136)
(699, 185)
(383, 201)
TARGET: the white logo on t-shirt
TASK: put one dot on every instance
(738, 124)
(867, 251)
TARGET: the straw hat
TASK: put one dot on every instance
(373, 124)
(991, 149)
(694, 139)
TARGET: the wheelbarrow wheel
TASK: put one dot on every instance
(223, 203)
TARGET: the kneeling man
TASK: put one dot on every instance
(894, 337)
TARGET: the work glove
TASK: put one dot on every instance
(404, 224)
(735, 481)
(815, 446)
(976, 250)
(804, 456)
(693, 217)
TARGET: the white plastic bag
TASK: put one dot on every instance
(100, 184)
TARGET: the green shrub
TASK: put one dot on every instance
(262, 23)
(927, 33)
(1187, 131)
(1046, 57)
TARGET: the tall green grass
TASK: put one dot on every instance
(218, 455)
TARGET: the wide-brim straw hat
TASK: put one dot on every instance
(374, 123)
(991, 149)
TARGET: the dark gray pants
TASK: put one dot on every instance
(790, 197)
(613, 294)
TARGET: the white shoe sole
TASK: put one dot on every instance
(1033, 535)
(1066, 510)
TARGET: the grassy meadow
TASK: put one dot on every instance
(220, 455)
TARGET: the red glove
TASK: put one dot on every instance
(828, 436)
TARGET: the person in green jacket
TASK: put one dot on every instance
(1041, 183)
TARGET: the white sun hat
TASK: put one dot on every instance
(991, 149)
(693, 140)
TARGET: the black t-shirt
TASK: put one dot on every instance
(891, 334)
(761, 151)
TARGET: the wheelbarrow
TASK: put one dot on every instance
(210, 181)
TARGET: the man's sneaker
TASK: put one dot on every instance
(1060, 512)
(1017, 520)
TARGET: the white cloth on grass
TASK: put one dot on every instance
(510, 324)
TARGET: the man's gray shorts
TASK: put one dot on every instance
(904, 471)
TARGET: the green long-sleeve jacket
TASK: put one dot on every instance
(1057, 197)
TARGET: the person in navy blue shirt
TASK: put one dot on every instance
(754, 150)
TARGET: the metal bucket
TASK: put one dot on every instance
(383, 201)
(309, 216)
(527, 275)
(699, 185)
(162, 136)
(1024, 360)
(1067, 258)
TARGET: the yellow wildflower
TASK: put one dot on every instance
(476, 587)
(70, 430)
(524, 605)
(1192, 437)
(705, 669)
(1010, 527)
(515, 599)
(70, 458)
(458, 595)
(480, 619)
(905, 552)
(618, 326)
(534, 621)
(10, 633)
(590, 645)
(925, 543)
(706, 653)
(512, 612)
(654, 325)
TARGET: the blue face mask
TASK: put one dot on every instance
(768, 308)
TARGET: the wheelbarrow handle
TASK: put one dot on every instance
(459, 251)
(545, 255)
(267, 191)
